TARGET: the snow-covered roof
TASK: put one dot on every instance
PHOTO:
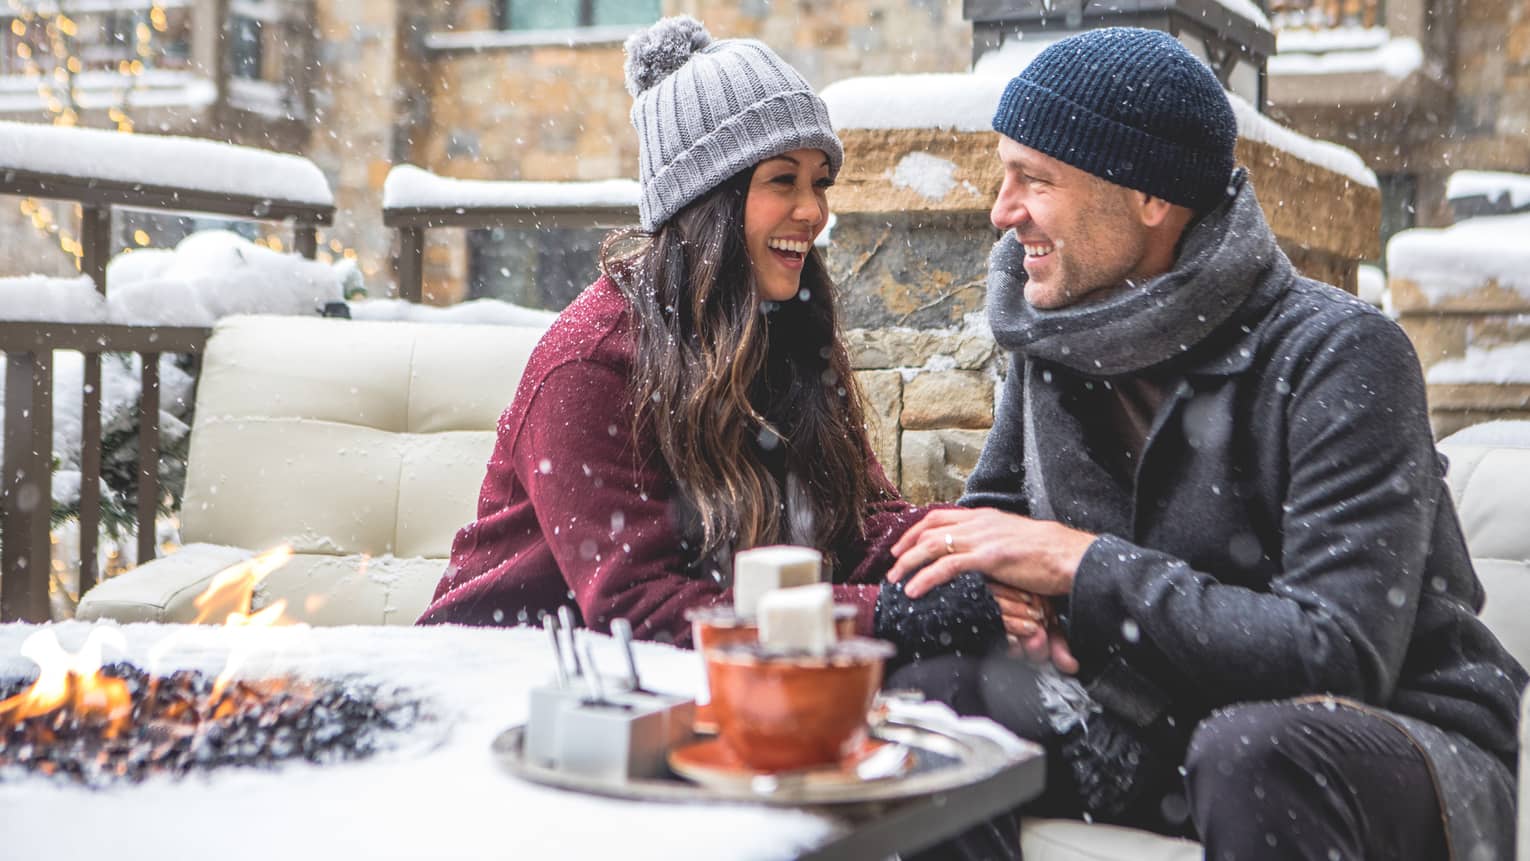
(1491, 185)
(160, 160)
(410, 187)
(1465, 256)
(1398, 57)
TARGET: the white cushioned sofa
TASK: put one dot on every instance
(359, 444)
(363, 444)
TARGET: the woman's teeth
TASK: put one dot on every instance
(789, 245)
(1037, 250)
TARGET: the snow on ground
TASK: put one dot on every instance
(1398, 58)
(203, 165)
(1489, 184)
(1505, 364)
(408, 186)
(439, 794)
(1465, 256)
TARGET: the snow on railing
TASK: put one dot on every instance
(200, 167)
(415, 200)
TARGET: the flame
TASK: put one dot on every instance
(75, 680)
(232, 589)
(72, 680)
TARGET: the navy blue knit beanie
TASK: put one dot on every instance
(1131, 106)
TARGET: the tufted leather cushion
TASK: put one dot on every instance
(1489, 475)
(360, 444)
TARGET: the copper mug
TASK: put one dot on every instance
(788, 711)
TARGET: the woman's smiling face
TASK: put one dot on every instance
(786, 208)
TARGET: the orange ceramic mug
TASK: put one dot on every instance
(782, 712)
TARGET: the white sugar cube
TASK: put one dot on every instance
(765, 569)
(798, 619)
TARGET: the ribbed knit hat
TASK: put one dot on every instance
(706, 110)
(1131, 106)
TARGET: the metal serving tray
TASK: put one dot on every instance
(943, 760)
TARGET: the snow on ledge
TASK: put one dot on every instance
(1507, 364)
(1257, 127)
(408, 186)
(1491, 185)
(201, 165)
(1463, 257)
(965, 103)
(481, 40)
(1398, 58)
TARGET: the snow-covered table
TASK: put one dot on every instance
(439, 794)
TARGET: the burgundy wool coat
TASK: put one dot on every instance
(569, 515)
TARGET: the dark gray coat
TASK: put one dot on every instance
(1288, 533)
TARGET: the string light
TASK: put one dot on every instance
(58, 89)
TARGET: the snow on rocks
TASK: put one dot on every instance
(1256, 126)
(927, 175)
(1461, 258)
(408, 187)
(162, 160)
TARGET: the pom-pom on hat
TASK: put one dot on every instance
(705, 110)
(1131, 106)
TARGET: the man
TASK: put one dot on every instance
(1221, 476)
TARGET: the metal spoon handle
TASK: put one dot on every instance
(623, 631)
(566, 616)
(550, 625)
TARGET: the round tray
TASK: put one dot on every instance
(942, 760)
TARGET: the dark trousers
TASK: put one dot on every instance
(1268, 780)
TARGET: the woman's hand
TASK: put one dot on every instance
(1039, 556)
(1033, 627)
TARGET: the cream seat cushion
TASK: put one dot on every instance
(361, 445)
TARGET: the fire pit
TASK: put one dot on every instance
(121, 723)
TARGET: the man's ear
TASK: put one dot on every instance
(1153, 211)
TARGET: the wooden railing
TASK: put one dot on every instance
(412, 221)
(26, 479)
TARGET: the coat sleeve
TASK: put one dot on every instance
(1363, 493)
(862, 562)
(998, 480)
(609, 515)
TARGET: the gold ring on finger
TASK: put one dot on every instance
(950, 544)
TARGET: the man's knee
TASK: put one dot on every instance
(1248, 740)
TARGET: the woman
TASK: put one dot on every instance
(697, 399)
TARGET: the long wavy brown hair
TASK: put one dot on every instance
(741, 392)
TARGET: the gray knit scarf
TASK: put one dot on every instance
(1143, 325)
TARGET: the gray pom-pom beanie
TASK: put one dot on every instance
(705, 110)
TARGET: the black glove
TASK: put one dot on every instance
(959, 617)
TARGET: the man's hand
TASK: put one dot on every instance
(1039, 556)
(1033, 628)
